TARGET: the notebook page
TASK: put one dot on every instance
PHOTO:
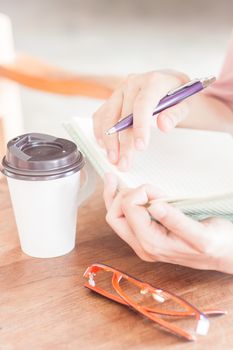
(214, 206)
(184, 164)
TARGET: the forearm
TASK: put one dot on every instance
(209, 113)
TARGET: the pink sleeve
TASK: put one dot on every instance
(223, 87)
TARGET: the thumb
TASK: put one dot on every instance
(190, 231)
(168, 119)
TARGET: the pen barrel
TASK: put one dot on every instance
(166, 102)
(180, 95)
(124, 123)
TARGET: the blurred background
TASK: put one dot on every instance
(117, 37)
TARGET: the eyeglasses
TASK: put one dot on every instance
(156, 304)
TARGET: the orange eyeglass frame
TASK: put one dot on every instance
(124, 299)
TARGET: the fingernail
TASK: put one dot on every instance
(112, 156)
(123, 164)
(168, 122)
(158, 210)
(139, 144)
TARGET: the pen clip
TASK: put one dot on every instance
(171, 92)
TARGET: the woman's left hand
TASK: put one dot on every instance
(173, 237)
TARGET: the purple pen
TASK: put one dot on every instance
(172, 98)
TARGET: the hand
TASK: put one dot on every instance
(138, 94)
(173, 237)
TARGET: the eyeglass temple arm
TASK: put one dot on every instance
(33, 73)
(172, 328)
(208, 312)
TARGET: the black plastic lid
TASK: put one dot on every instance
(37, 156)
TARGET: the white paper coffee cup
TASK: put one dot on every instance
(43, 174)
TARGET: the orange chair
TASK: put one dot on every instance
(33, 73)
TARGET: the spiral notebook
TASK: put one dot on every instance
(194, 168)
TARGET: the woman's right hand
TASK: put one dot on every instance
(138, 94)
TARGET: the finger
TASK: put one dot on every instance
(192, 232)
(126, 143)
(154, 88)
(110, 115)
(155, 240)
(139, 219)
(133, 205)
(171, 117)
(123, 230)
(110, 189)
(116, 219)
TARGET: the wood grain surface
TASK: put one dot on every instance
(43, 304)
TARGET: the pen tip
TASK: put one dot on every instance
(110, 131)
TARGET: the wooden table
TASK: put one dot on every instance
(43, 304)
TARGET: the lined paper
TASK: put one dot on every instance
(194, 168)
